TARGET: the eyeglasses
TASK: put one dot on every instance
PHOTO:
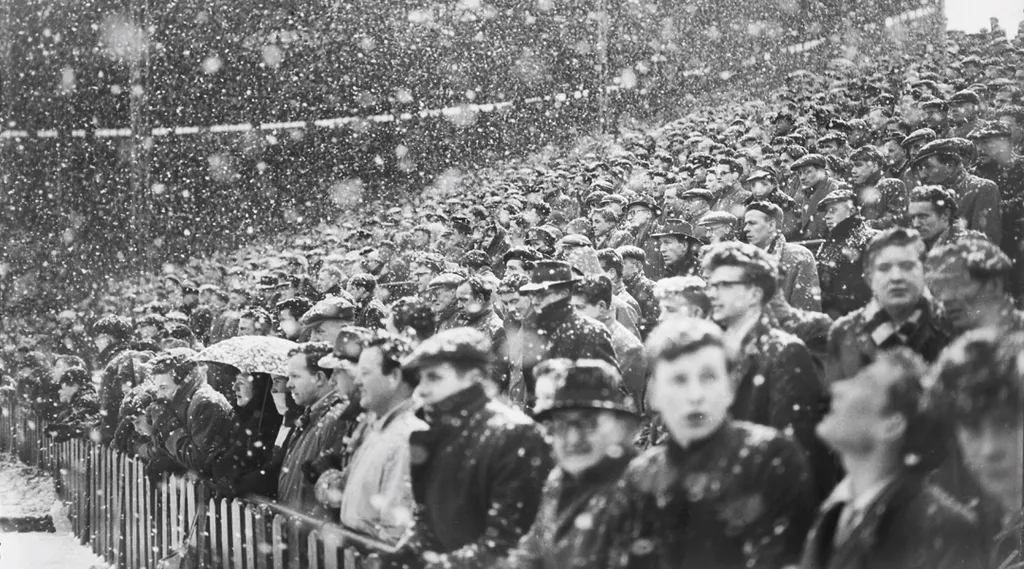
(721, 284)
(561, 425)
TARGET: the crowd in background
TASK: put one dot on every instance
(771, 332)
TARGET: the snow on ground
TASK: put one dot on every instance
(25, 492)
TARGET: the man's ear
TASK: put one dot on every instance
(321, 378)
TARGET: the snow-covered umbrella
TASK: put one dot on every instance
(262, 354)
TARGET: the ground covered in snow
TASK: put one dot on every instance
(28, 494)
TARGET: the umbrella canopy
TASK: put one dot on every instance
(261, 354)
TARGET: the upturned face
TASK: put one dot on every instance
(692, 393)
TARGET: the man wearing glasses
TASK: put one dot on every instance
(778, 383)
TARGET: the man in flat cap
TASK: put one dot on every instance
(694, 203)
(940, 162)
(322, 322)
(591, 424)
(441, 295)
(933, 214)
(798, 272)
(998, 162)
(641, 218)
(936, 116)
(964, 110)
(883, 201)
(840, 265)
(725, 182)
(911, 145)
(815, 184)
(478, 470)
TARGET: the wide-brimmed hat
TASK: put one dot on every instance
(590, 384)
(462, 345)
(547, 274)
(679, 228)
(645, 203)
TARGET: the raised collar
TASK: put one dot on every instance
(463, 402)
(871, 181)
(554, 314)
(846, 227)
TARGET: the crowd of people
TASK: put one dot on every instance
(773, 333)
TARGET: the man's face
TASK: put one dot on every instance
(991, 446)
(838, 212)
(440, 381)
(896, 277)
(673, 248)
(441, 298)
(863, 170)
(676, 306)
(288, 324)
(961, 296)
(993, 149)
(327, 330)
(962, 113)
(422, 275)
(344, 380)
(165, 386)
(692, 393)
(246, 327)
(631, 268)
(541, 299)
(730, 294)
(243, 388)
(761, 188)
(516, 305)
(467, 302)
(638, 216)
(926, 219)
(672, 201)
(810, 175)
(582, 438)
(935, 120)
(515, 266)
(877, 120)
(148, 333)
(693, 208)
(759, 228)
(1016, 130)
(856, 420)
(893, 153)
(303, 384)
(376, 389)
(829, 147)
(103, 341)
(785, 162)
(601, 225)
(583, 307)
(933, 171)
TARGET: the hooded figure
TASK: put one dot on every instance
(258, 424)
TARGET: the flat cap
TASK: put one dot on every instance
(836, 197)
(445, 280)
(990, 130)
(867, 153)
(809, 161)
(644, 203)
(768, 208)
(712, 218)
(330, 308)
(698, 194)
(934, 104)
(970, 256)
(462, 345)
(921, 134)
(575, 240)
(761, 175)
(679, 228)
(965, 96)
(835, 137)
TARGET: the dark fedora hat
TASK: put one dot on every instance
(590, 384)
(547, 274)
(679, 228)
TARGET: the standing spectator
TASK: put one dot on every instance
(474, 299)
(289, 312)
(319, 432)
(730, 195)
(778, 383)
(641, 216)
(883, 201)
(639, 287)
(480, 466)
(556, 330)
(933, 214)
(591, 425)
(718, 492)
(592, 297)
(940, 162)
(79, 409)
(884, 513)
(442, 298)
(193, 424)
(719, 226)
(682, 297)
(369, 312)
(979, 381)
(254, 321)
(377, 498)
(326, 318)
(898, 314)
(259, 423)
(815, 184)
(840, 257)
(606, 231)
(798, 278)
(999, 163)
(627, 309)
(122, 368)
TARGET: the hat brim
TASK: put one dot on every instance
(532, 287)
(585, 404)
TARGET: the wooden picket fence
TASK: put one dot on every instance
(133, 521)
